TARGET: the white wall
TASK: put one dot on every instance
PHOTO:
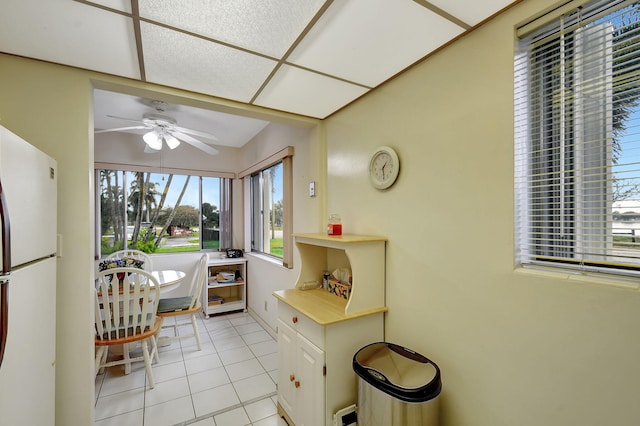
(113, 147)
(515, 348)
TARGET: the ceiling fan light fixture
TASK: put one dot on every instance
(171, 141)
(153, 140)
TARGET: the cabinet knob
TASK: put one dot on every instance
(297, 384)
(294, 320)
(292, 378)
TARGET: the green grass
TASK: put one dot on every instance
(177, 249)
(215, 245)
(276, 247)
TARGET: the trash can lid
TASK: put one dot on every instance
(398, 371)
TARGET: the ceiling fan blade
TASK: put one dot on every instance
(196, 143)
(195, 133)
(124, 118)
(120, 129)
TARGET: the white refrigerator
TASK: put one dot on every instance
(28, 211)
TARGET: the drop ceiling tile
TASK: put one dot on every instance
(369, 41)
(295, 90)
(69, 33)
(471, 12)
(176, 59)
(268, 26)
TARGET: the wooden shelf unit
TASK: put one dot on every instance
(231, 296)
(316, 327)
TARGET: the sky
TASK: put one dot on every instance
(210, 189)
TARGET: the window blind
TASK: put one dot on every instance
(577, 141)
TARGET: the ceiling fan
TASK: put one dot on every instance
(164, 128)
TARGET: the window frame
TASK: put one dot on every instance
(581, 241)
(225, 208)
(285, 156)
(260, 182)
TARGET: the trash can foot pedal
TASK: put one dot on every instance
(346, 417)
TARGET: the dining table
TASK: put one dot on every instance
(169, 279)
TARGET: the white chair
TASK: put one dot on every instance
(126, 302)
(188, 305)
(136, 254)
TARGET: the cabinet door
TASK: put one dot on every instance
(287, 367)
(311, 392)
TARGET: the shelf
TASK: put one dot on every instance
(233, 293)
(363, 255)
(215, 284)
(322, 239)
(226, 307)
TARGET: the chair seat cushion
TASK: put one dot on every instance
(173, 304)
(125, 328)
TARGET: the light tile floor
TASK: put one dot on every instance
(231, 381)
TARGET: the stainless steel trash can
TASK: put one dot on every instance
(396, 386)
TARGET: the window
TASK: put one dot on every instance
(577, 148)
(269, 186)
(267, 210)
(162, 212)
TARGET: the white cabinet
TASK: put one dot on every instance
(223, 294)
(301, 385)
(319, 332)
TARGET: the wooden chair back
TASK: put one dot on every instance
(126, 302)
(136, 254)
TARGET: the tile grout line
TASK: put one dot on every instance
(236, 327)
(226, 409)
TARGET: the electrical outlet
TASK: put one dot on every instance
(312, 189)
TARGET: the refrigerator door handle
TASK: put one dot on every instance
(4, 275)
(6, 234)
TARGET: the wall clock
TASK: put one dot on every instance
(384, 167)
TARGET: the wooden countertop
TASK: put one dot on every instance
(345, 238)
(321, 306)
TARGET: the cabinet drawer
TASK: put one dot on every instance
(302, 324)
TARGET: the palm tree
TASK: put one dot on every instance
(111, 199)
(173, 211)
(142, 199)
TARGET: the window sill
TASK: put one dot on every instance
(265, 258)
(627, 283)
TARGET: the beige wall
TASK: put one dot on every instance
(514, 348)
(51, 107)
(264, 275)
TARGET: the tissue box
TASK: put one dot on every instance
(339, 288)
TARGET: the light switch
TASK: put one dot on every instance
(312, 189)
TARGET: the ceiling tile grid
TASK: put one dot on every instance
(309, 57)
(307, 93)
(369, 41)
(121, 5)
(471, 12)
(69, 33)
(266, 27)
(179, 60)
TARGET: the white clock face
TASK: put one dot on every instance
(384, 167)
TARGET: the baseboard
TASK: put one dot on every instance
(264, 325)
